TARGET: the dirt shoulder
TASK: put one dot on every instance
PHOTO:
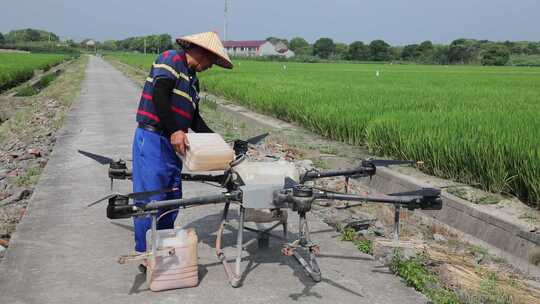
(27, 137)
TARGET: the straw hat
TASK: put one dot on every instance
(210, 42)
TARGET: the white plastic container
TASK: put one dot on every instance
(266, 173)
(207, 152)
(176, 271)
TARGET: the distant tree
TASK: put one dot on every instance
(509, 44)
(298, 43)
(324, 47)
(30, 35)
(462, 51)
(2, 38)
(165, 42)
(125, 44)
(425, 46)
(411, 52)
(152, 44)
(358, 51)
(379, 50)
(71, 43)
(520, 48)
(395, 53)
(440, 55)
(531, 47)
(137, 44)
(300, 46)
(534, 48)
(340, 51)
(109, 45)
(496, 55)
(275, 40)
(305, 51)
(426, 51)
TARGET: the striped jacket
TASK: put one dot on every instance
(184, 98)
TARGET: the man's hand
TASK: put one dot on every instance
(180, 142)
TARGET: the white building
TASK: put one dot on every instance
(256, 48)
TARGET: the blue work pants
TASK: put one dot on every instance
(155, 166)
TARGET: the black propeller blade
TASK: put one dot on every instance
(104, 160)
(385, 162)
(101, 200)
(136, 195)
(426, 192)
(257, 139)
(240, 146)
(289, 183)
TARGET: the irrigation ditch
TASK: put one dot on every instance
(38, 82)
(481, 247)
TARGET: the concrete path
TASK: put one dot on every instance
(65, 253)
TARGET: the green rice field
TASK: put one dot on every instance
(19, 67)
(478, 125)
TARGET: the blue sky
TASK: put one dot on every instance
(396, 21)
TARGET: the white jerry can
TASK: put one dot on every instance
(207, 152)
(179, 269)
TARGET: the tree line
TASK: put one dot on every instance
(150, 44)
(36, 41)
(28, 35)
(39, 40)
(459, 51)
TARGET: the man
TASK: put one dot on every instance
(168, 107)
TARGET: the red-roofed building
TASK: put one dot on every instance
(256, 48)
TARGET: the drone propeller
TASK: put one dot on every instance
(386, 162)
(104, 160)
(135, 195)
(101, 200)
(257, 139)
(425, 192)
(240, 146)
(289, 183)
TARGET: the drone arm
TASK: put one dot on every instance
(411, 202)
(185, 202)
(364, 198)
(364, 171)
(119, 206)
(203, 178)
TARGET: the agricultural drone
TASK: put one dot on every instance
(259, 187)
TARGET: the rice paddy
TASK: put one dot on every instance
(19, 67)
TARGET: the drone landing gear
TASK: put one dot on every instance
(262, 239)
(303, 247)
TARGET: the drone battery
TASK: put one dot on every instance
(207, 152)
(179, 269)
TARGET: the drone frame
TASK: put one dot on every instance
(291, 195)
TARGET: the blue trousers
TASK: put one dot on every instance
(155, 166)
